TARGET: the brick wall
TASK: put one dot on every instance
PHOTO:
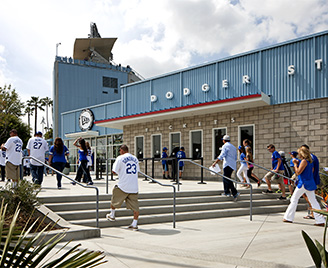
(287, 126)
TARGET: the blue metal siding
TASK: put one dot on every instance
(194, 80)
(163, 85)
(267, 69)
(137, 98)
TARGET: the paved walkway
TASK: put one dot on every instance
(227, 242)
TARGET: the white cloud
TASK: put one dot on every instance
(154, 37)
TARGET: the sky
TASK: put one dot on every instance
(154, 37)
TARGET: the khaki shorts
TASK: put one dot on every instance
(119, 197)
(275, 178)
(12, 171)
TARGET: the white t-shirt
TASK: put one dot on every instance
(38, 147)
(14, 147)
(2, 158)
(126, 167)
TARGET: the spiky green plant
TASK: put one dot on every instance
(20, 248)
(318, 251)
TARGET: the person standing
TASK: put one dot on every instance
(13, 148)
(57, 158)
(229, 157)
(181, 155)
(83, 162)
(243, 166)
(165, 164)
(3, 164)
(37, 148)
(277, 167)
(306, 184)
(126, 166)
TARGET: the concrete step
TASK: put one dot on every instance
(186, 216)
(105, 203)
(152, 210)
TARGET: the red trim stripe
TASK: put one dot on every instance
(179, 108)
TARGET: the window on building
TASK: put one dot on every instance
(139, 143)
(196, 139)
(218, 134)
(110, 82)
(174, 141)
(156, 145)
(247, 132)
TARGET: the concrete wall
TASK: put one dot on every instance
(287, 126)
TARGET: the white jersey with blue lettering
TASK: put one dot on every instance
(126, 166)
(14, 146)
(38, 148)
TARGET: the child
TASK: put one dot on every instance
(249, 158)
(243, 166)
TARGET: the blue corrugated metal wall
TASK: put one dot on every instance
(81, 86)
(267, 70)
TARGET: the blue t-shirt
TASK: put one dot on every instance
(181, 154)
(291, 163)
(56, 157)
(82, 155)
(275, 156)
(306, 178)
(242, 159)
(316, 175)
(164, 155)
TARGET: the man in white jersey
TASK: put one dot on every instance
(126, 166)
(3, 164)
(13, 148)
(37, 147)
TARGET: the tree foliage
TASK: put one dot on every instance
(11, 108)
(35, 103)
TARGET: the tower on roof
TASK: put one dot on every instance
(94, 48)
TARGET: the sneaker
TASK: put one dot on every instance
(278, 191)
(133, 227)
(282, 198)
(90, 183)
(259, 183)
(109, 218)
(289, 197)
(227, 195)
(267, 192)
(73, 183)
(235, 197)
(59, 187)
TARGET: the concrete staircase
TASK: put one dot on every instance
(158, 207)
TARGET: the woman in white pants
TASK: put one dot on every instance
(305, 184)
(243, 166)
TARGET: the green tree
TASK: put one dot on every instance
(29, 112)
(47, 102)
(35, 103)
(11, 108)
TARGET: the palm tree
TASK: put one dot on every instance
(29, 112)
(47, 102)
(35, 103)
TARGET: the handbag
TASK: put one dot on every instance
(67, 165)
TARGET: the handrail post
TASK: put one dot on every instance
(146, 169)
(106, 175)
(202, 172)
(152, 166)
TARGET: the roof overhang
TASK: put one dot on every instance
(84, 46)
(83, 134)
(238, 103)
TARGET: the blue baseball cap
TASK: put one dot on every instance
(164, 148)
(293, 153)
(239, 147)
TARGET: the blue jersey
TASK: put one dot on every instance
(275, 156)
(242, 159)
(164, 155)
(181, 154)
(58, 157)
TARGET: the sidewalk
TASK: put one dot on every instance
(226, 242)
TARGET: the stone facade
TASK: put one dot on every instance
(287, 126)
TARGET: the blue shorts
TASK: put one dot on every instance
(165, 167)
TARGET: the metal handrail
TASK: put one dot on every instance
(269, 170)
(167, 185)
(323, 174)
(217, 173)
(72, 180)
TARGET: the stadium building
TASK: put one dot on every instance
(276, 94)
